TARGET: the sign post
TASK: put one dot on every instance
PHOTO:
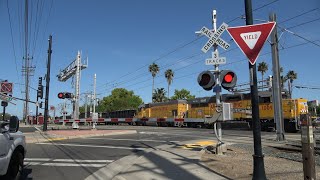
(250, 39)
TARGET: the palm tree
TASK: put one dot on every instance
(169, 75)
(159, 95)
(154, 69)
(262, 67)
(291, 75)
(283, 79)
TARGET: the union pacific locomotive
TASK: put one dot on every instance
(196, 112)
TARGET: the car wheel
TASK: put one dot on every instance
(15, 166)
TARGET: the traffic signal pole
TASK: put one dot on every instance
(258, 162)
(46, 102)
(4, 112)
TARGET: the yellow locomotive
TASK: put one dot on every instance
(195, 112)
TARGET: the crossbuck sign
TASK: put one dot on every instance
(214, 38)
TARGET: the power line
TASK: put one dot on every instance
(299, 15)
(174, 50)
(239, 17)
(12, 41)
(230, 63)
(303, 23)
(161, 56)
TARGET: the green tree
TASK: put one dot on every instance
(120, 99)
(153, 69)
(159, 95)
(262, 68)
(169, 74)
(283, 78)
(182, 94)
(291, 75)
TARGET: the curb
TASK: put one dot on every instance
(49, 138)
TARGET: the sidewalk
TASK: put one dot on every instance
(163, 162)
(53, 135)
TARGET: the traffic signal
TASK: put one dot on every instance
(65, 95)
(228, 79)
(4, 103)
(61, 95)
(40, 89)
(68, 95)
(206, 80)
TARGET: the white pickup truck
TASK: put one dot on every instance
(12, 149)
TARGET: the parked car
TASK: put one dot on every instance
(12, 149)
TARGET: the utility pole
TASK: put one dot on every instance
(94, 94)
(46, 102)
(37, 108)
(258, 163)
(85, 105)
(26, 57)
(77, 88)
(276, 89)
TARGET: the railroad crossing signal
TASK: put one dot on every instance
(214, 38)
(227, 79)
(251, 39)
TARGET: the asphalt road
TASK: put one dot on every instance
(78, 158)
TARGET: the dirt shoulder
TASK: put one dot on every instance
(238, 164)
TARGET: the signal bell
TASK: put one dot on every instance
(228, 79)
(206, 80)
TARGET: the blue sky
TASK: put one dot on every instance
(120, 37)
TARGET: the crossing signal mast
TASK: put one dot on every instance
(215, 79)
(73, 70)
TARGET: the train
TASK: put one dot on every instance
(199, 112)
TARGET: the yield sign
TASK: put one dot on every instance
(250, 39)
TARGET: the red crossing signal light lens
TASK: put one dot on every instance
(228, 78)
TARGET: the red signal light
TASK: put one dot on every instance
(61, 95)
(228, 78)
